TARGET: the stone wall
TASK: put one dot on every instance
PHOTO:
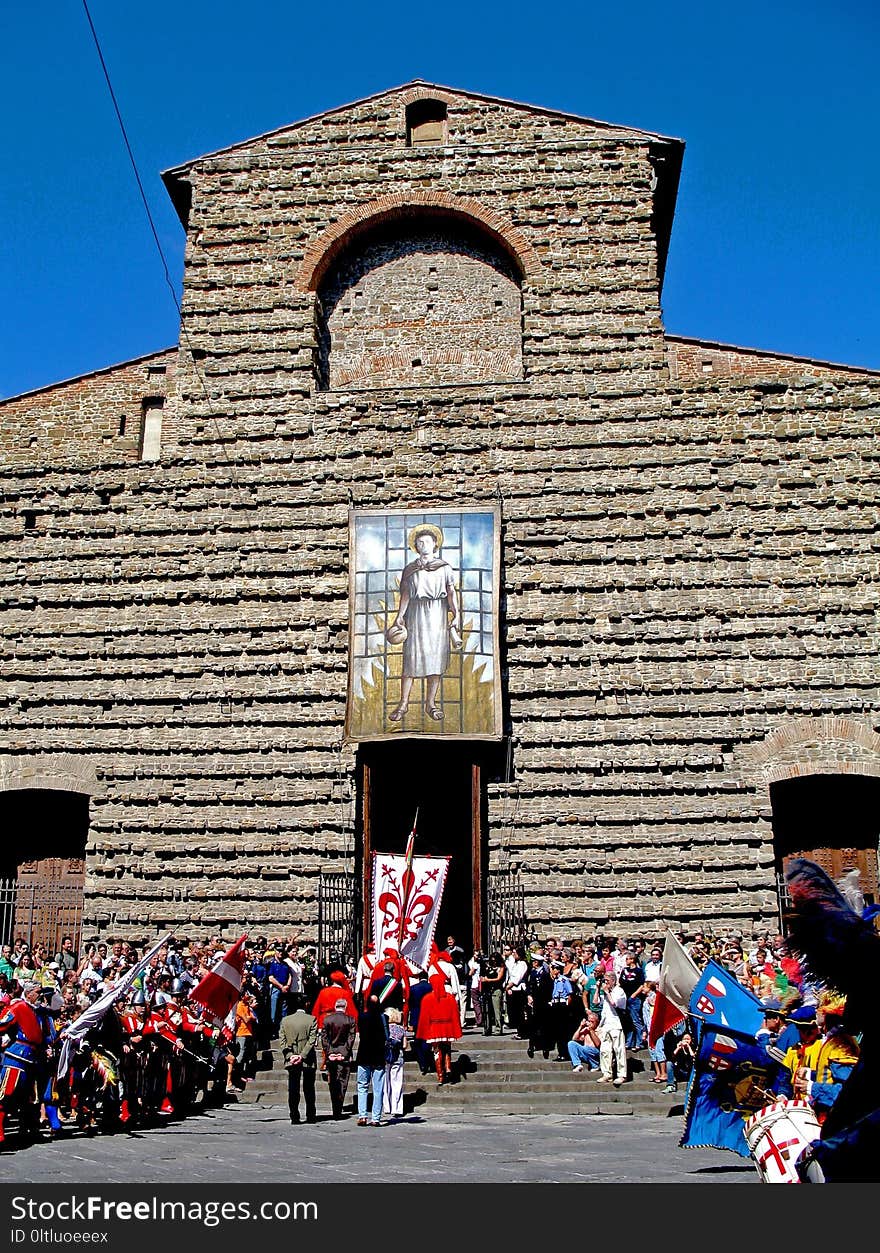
(697, 360)
(96, 418)
(422, 303)
(688, 563)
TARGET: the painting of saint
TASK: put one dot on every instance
(427, 617)
(423, 656)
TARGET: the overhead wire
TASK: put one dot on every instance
(143, 195)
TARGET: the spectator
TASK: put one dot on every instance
(370, 1061)
(515, 990)
(657, 1053)
(612, 1048)
(299, 1035)
(279, 979)
(475, 968)
(583, 1047)
(492, 983)
(337, 1043)
(632, 980)
(6, 965)
(560, 1011)
(66, 956)
(392, 1092)
(245, 1036)
(540, 987)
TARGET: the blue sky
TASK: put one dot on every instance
(776, 242)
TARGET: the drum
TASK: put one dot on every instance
(777, 1135)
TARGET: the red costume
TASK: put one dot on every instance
(439, 1018)
(338, 990)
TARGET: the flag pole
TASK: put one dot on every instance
(407, 881)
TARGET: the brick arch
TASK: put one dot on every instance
(324, 250)
(426, 93)
(56, 772)
(804, 746)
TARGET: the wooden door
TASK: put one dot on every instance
(49, 900)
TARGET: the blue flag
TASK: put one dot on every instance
(733, 1074)
(718, 1000)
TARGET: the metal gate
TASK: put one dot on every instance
(337, 938)
(506, 900)
(40, 913)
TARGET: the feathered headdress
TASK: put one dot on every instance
(838, 945)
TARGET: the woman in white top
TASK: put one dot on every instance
(515, 989)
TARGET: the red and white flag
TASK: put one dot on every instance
(221, 987)
(678, 978)
(407, 892)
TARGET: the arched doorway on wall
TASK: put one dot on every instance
(42, 865)
(834, 820)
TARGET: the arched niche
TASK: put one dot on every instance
(419, 298)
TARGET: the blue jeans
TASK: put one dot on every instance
(370, 1076)
(634, 1009)
(583, 1055)
(277, 1004)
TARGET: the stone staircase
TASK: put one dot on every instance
(494, 1075)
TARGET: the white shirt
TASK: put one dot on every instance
(295, 974)
(652, 971)
(612, 1003)
(516, 974)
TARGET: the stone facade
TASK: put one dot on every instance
(689, 554)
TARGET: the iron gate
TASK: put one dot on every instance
(506, 901)
(40, 913)
(336, 917)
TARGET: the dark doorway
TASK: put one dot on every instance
(444, 782)
(42, 864)
(41, 823)
(833, 819)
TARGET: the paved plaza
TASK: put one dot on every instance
(250, 1144)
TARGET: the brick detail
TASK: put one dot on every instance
(420, 306)
(57, 772)
(698, 361)
(321, 252)
(80, 419)
(803, 746)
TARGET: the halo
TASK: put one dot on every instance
(421, 529)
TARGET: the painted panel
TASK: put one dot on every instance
(423, 624)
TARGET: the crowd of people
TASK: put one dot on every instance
(589, 1002)
(158, 1054)
(155, 1056)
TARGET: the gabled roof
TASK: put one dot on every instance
(669, 152)
(422, 85)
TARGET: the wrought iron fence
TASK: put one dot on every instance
(336, 915)
(506, 901)
(40, 913)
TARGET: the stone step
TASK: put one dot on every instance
(496, 1075)
(488, 1079)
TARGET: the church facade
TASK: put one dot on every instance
(426, 519)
